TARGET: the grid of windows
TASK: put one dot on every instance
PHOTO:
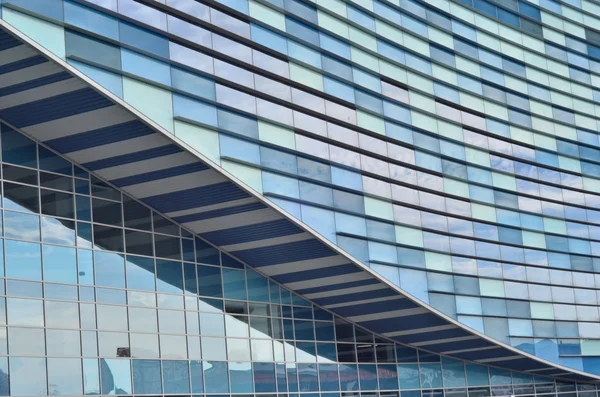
(101, 295)
(455, 155)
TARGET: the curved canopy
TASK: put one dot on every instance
(47, 99)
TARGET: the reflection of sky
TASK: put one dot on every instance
(53, 231)
(22, 226)
(120, 372)
(26, 312)
(23, 260)
(60, 264)
(64, 376)
(110, 269)
(91, 379)
(137, 298)
(144, 345)
(27, 376)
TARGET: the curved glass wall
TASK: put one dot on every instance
(451, 146)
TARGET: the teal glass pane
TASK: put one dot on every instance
(453, 372)
(409, 376)
(477, 375)
(431, 375)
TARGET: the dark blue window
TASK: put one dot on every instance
(508, 17)
(486, 7)
(264, 378)
(530, 11)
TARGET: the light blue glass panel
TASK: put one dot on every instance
(111, 81)
(304, 54)
(27, 376)
(415, 283)
(52, 9)
(110, 269)
(191, 109)
(59, 264)
(23, 260)
(145, 67)
(382, 252)
(268, 38)
(238, 5)
(193, 84)
(91, 20)
(321, 220)
(239, 149)
(116, 376)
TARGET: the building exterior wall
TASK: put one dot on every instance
(452, 147)
(102, 295)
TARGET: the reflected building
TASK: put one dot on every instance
(300, 198)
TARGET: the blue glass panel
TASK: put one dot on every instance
(268, 38)
(144, 40)
(146, 377)
(23, 260)
(216, 377)
(193, 84)
(234, 284)
(91, 20)
(239, 149)
(409, 376)
(237, 123)
(17, 149)
(477, 375)
(194, 110)
(52, 9)
(176, 377)
(335, 46)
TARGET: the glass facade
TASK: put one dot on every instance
(101, 295)
(450, 145)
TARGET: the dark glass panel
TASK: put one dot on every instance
(165, 226)
(167, 247)
(53, 163)
(107, 212)
(138, 243)
(19, 174)
(18, 149)
(136, 215)
(102, 190)
(108, 238)
(22, 198)
(57, 204)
